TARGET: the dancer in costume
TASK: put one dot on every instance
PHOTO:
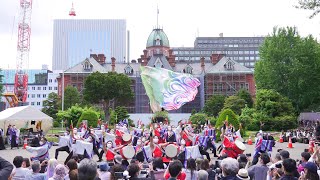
(64, 143)
(42, 152)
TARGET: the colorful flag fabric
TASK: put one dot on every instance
(167, 89)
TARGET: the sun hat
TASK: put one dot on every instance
(243, 174)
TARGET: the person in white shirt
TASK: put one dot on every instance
(19, 173)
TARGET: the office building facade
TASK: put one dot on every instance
(244, 50)
(74, 39)
(41, 82)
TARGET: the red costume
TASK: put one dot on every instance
(185, 137)
(109, 155)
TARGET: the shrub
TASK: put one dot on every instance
(91, 116)
(56, 124)
(163, 114)
(232, 119)
(199, 118)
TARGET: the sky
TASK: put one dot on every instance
(182, 21)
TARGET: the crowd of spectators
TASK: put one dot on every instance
(279, 167)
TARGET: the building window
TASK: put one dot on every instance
(39, 88)
(128, 70)
(33, 88)
(87, 65)
(247, 86)
(50, 80)
(38, 103)
(44, 88)
(28, 95)
(215, 87)
(38, 95)
(188, 70)
(55, 88)
(44, 95)
(241, 86)
(55, 80)
(33, 95)
(50, 88)
(221, 87)
(32, 103)
(229, 65)
(251, 58)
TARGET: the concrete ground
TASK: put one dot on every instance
(10, 154)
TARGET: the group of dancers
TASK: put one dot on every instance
(160, 140)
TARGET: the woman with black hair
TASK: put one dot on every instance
(191, 171)
(158, 168)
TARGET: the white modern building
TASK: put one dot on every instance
(75, 39)
(41, 82)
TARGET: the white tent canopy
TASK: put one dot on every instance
(25, 117)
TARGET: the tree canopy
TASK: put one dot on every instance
(214, 105)
(313, 5)
(235, 103)
(290, 65)
(246, 96)
(271, 112)
(51, 105)
(106, 87)
(71, 97)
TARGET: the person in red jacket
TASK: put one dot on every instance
(110, 151)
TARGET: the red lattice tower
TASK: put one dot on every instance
(23, 48)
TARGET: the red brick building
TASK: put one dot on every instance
(221, 75)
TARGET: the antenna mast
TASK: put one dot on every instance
(23, 48)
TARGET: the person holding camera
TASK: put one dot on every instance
(289, 168)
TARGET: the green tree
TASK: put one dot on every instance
(106, 88)
(71, 97)
(199, 118)
(51, 105)
(163, 114)
(248, 120)
(214, 105)
(273, 109)
(227, 114)
(245, 95)
(91, 116)
(72, 114)
(121, 113)
(290, 64)
(234, 103)
(313, 5)
(273, 103)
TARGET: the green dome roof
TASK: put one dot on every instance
(158, 38)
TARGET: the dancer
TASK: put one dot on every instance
(64, 142)
(42, 151)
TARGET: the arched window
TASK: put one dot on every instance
(188, 69)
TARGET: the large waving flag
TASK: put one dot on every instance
(167, 89)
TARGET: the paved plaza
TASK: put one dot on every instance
(10, 154)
